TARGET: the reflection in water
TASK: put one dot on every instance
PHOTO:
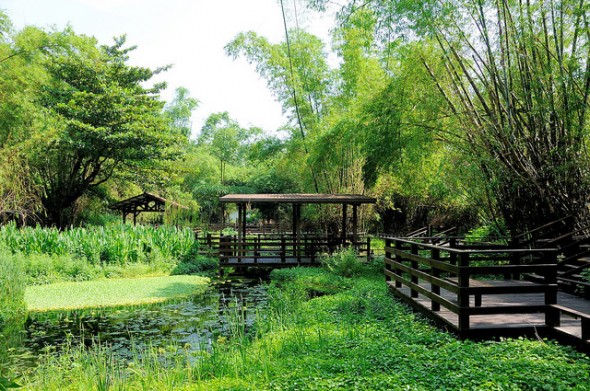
(191, 323)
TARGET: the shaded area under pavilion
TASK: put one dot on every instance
(146, 202)
(297, 200)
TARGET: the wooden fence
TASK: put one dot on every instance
(476, 290)
(276, 250)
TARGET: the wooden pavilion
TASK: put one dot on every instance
(285, 249)
(297, 200)
(146, 202)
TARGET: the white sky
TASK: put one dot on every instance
(191, 35)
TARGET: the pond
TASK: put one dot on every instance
(191, 323)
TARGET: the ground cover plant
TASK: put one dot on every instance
(114, 292)
(324, 331)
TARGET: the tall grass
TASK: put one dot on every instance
(48, 255)
(118, 244)
(12, 305)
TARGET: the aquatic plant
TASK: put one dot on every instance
(47, 255)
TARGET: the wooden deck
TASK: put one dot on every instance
(480, 293)
(483, 324)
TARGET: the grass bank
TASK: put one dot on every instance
(112, 292)
(323, 331)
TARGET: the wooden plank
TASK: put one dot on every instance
(504, 309)
(509, 289)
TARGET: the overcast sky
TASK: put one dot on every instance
(191, 35)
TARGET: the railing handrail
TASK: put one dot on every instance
(449, 249)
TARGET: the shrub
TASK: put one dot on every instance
(198, 264)
(344, 263)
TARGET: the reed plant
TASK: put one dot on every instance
(78, 254)
(117, 244)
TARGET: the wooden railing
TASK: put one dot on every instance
(276, 249)
(458, 277)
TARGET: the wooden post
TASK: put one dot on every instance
(257, 249)
(344, 218)
(414, 266)
(296, 215)
(551, 314)
(243, 227)
(239, 222)
(368, 249)
(585, 328)
(398, 258)
(354, 224)
(463, 296)
(387, 256)
(435, 273)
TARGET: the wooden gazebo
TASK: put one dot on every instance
(355, 200)
(146, 202)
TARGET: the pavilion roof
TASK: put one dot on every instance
(146, 202)
(298, 198)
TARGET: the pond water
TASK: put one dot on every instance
(190, 323)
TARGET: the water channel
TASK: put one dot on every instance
(190, 323)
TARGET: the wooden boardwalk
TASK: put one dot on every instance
(516, 321)
(480, 292)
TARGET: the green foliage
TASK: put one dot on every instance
(490, 232)
(104, 121)
(354, 337)
(49, 255)
(345, 263)
(5, 384)
(194, 263)
(112, 292)
(179, 111)
(12, 307)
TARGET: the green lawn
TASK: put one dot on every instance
(113, 292)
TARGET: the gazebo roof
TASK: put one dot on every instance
(351, 199)
(146, 202)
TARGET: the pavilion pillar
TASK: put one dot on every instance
(296, 217)
(135, 218)
(241, 221)
(344, 218)
(124, 217)
(354, 224)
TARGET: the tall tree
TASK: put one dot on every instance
(179, 111)
(103, 119)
